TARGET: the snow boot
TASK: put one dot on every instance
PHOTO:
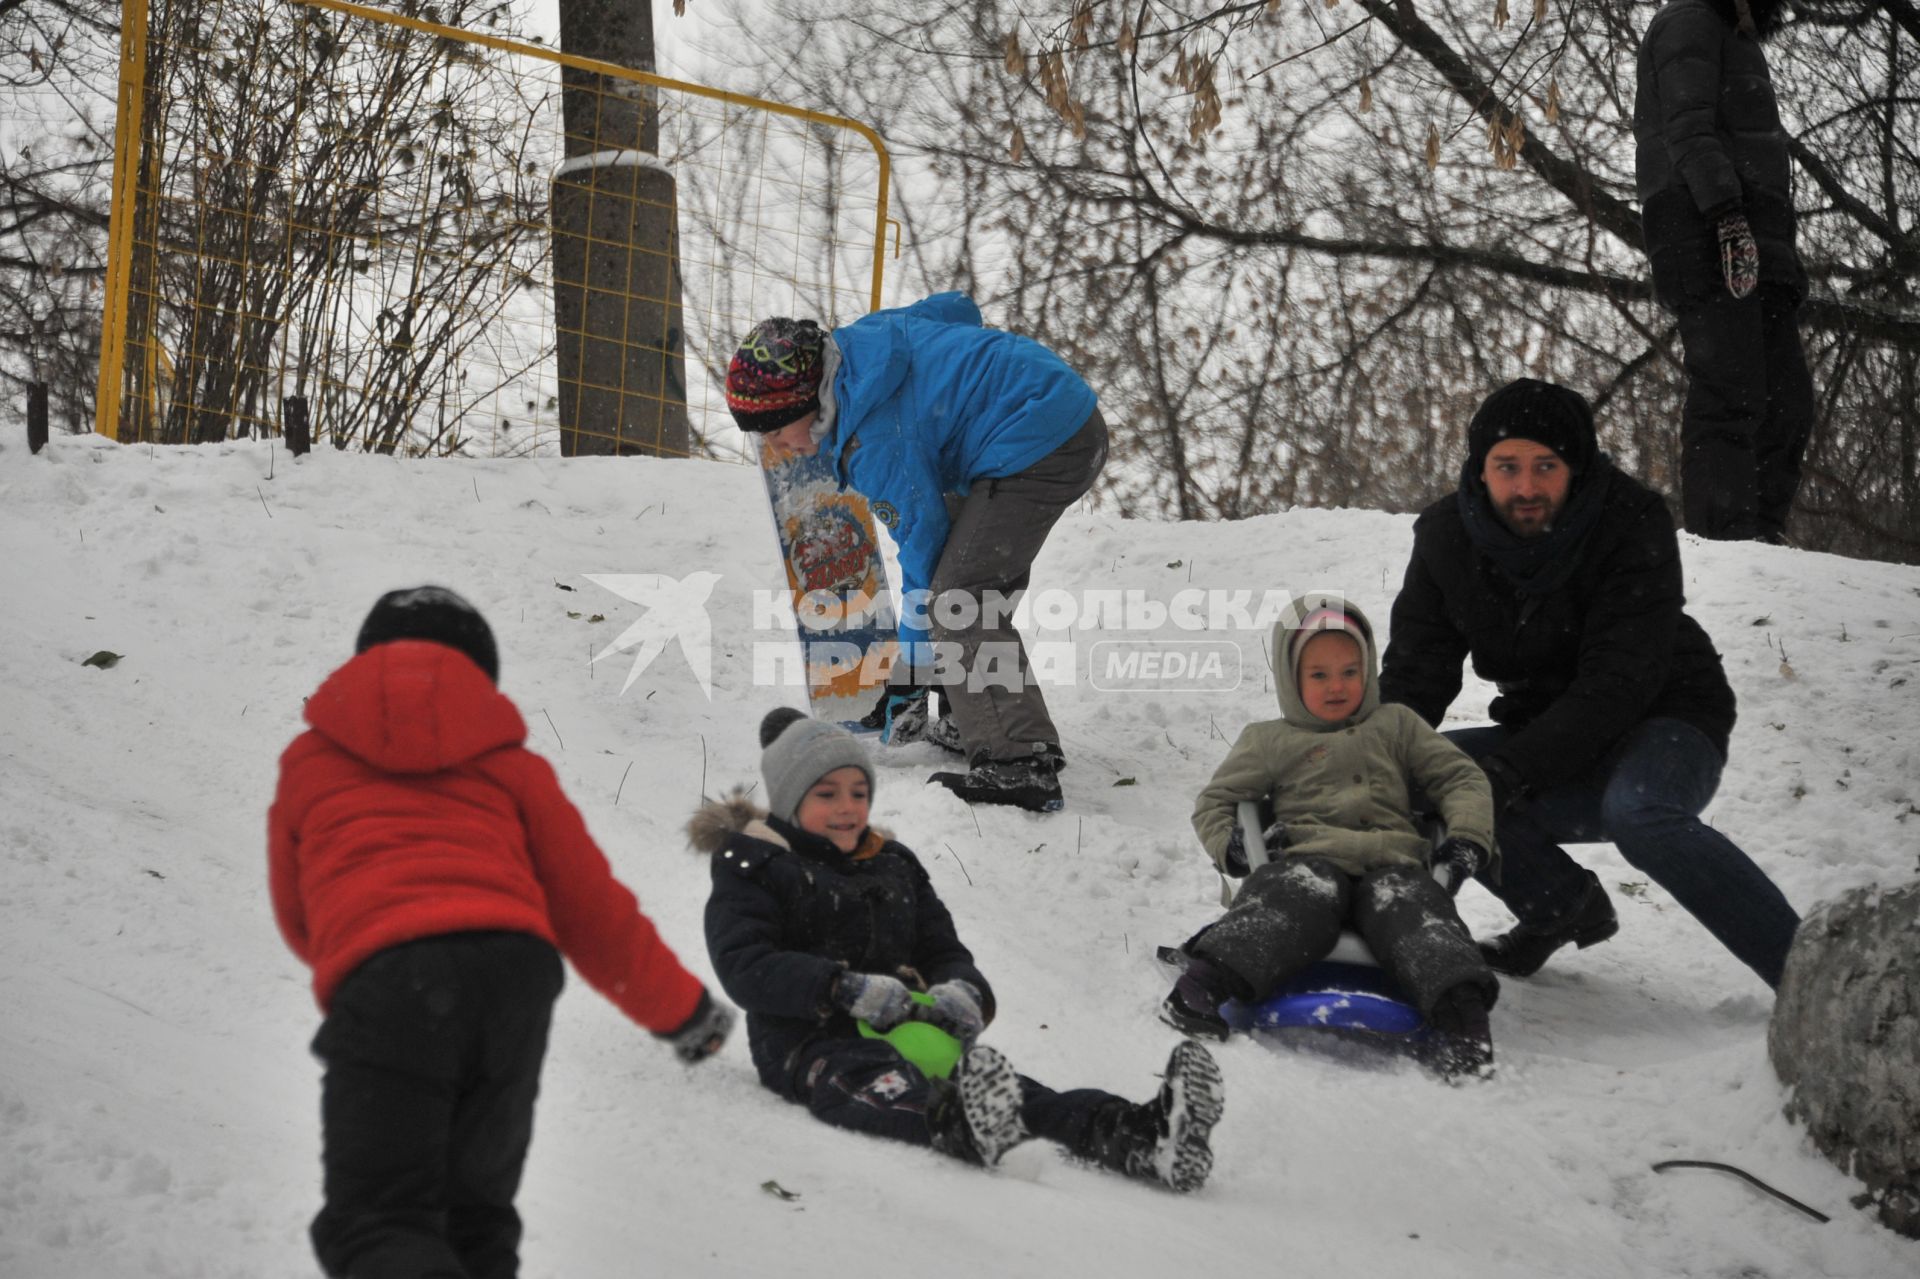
(945, 734)
(1166, 1140)
(1462, 1041)
(1522, 950)
(990, 1100)
(1021, 783)
(1192, 1007)
(901, 717)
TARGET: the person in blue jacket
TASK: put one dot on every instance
(970, 442)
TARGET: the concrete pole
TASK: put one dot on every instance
(616, 250)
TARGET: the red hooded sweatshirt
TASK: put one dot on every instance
(411, 809)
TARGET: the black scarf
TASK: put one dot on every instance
(1537, 565)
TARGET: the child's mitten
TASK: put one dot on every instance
(701, 1035)
(1233, 859)
(1458, 860)
(880, 1001)
(955, 1009)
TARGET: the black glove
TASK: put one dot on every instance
(1234, 860)
(955, 1009)
(701, 1035)
(1234, 856)
(880, 1001)
(1739, 255)
(1509, 792)
(1457, 861)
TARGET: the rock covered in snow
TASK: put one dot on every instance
(1845, 1037)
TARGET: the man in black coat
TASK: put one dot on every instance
(1560, 577)
(1717, 214)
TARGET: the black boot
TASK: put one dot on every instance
(1022, 783)
(1462, 1040)
(947, 1123)
(978, 1116)
(1521, 951)
(945, 734)
(1192, 1007)
(1166, 1140)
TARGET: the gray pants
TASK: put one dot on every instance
(997, 530)
(1289, 914)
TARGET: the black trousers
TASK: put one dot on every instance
(1290, 913)
(1748, 412)
(432, 1052)
(867, 1086)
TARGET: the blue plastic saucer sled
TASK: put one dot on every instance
(1347, 993)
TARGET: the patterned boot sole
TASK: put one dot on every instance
(1193, 1099)
(990, 1095)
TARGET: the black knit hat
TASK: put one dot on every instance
(431, 613)
(1530, 409)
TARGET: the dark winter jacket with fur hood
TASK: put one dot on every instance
(1708, 142)
(789, 912)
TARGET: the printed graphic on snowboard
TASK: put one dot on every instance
(831, 550)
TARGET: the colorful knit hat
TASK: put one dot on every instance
(774, 379)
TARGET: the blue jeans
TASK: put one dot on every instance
(1644, 796)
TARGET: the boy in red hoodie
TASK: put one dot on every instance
(426, 865)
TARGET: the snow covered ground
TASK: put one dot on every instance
(158, 1107)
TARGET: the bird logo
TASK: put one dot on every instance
(676, 609)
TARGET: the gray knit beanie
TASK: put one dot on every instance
(798, 751)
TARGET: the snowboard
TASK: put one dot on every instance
(838, 579)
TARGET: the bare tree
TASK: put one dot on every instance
(54, 165)
(326, 209)
(1294, 244)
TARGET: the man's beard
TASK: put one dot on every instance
(1535, 521)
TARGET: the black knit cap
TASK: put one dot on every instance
(435, 614)
(1530, 409)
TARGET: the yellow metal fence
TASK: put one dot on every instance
(383, 228)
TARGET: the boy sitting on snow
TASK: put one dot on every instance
(818, 922)
(427, 865)
(1339, 770)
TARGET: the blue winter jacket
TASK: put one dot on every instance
(928, 400)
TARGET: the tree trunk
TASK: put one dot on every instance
(616, 270)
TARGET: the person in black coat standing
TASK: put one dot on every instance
(817, 924)
(1560, 577)
(1711, 165)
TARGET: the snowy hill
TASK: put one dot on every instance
(158, 1107)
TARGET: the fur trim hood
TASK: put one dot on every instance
(735, 813)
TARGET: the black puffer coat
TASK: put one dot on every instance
(1577, 667)
(789, 912)
(1709, 142)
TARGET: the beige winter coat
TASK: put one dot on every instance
(1343, 789)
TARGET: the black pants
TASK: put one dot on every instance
(865, 1085)
(1290, 913)
(432, 1052)
(1748, 412)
